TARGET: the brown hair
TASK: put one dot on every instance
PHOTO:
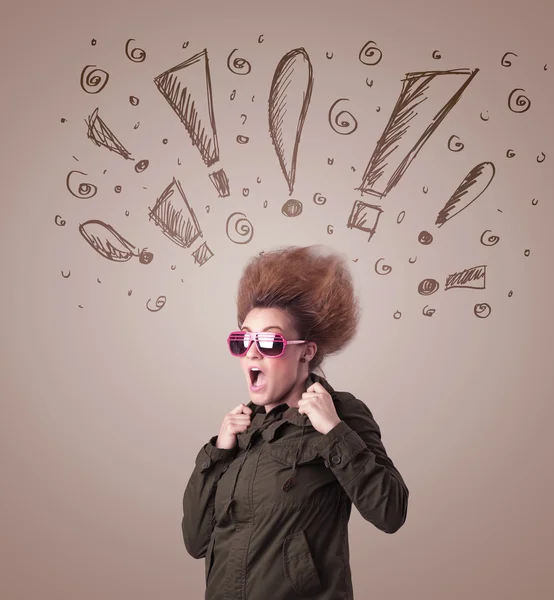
(313, 285)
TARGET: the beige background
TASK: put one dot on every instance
(105, 407)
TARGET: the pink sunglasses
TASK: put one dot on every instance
(268, 343)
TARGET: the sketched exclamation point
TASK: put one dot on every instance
(187, 88)
(289, 98)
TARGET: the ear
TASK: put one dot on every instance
(311, 349)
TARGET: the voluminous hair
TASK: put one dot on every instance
(313, 285)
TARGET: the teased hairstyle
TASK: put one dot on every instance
(313, 285)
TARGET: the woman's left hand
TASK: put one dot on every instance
(318, 405)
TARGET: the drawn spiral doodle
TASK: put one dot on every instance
(482, 310)
(505, 62)
(400, 216)
(137, 55)
(133, 100)
(457, 146)
(539, 159)
(412, 261)
(246, 228)
(425, 238)
(239, 66)
(292, 208)
(521, 104)
(397, 315)
(117, 189)
(428, 312)
(319, 199)
(510, 153)
(370, 54)
(142, 165)
(342, 127)
(491, 240)
(160, 303)
(436, 55)
(330, 229)
(61, 222)
(84, 190)
(93, 82)
(428, 287)
(527, 252)
(243, 139)
(386, 269)
(93, 42)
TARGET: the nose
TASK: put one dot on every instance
(253, 351)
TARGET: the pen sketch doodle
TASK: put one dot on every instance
(93, 82)
(338, 125)
(521, 104)
(239, 66)
(83, 190)
(482, 310)
(246, 228)
(370, 54)
(473, 278)
(292, 208)
(136, 55)
(101, 135)
(160, 303)
(110, 244)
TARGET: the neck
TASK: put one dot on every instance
(293, 395)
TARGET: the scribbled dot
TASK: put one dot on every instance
(134, 101)
(292, 208)
(93, 82)
(319, 199)
(521, 103)
(505, 62)
(145, 257)
(412, 261)
(527, 252)
(233, 94)
(428, 312)
(330, 161)
(510, 293)
(483, 118)
(137, 125)
(329, 55)
(436, 55)
(137, 55)
(93, 42)
(164, 141)
(385, 270)
(400, 216)
(129, 292)
(60, 222)
(378, 109)
(425, 238)
(80, 306)
(397, 315)
(330, 229)
(539, 159)
(117, 189)
(428, 287)
(340, 124)
(243, 139)
(545, 67)
(482, 310)
(510, 153)
(63, 120)
(185, 45)
(142, 165)
(246, 228)
(368, 82)
(457, 146)
(239, 66)
(207, 208)
(84, 190)
(173, 267)
(126, 213)
(353, 169)
(425, 189)
(253, 98)
(491, 240)
(245, 192)
(265, 203)
(259, 180)
(534, 202)
(98, 280)
(65, 276)
(260, 38)
(160, 303)
(370, 55)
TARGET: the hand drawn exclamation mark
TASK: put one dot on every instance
(289, 99)
(187, 88)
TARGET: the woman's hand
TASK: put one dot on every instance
(318, 405)
(236, 421)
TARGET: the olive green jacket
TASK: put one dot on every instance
(271, 515)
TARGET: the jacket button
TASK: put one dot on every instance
(205, 464)
(336, 459)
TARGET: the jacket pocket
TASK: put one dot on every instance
(299, 566)
(285, 453)
(209, 556)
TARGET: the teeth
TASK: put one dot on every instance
(254, 369)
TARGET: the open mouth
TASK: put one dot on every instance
(257, 378)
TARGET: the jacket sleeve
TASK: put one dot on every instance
(198, 499)
(353, 450)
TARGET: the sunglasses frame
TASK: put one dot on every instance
(256, 338)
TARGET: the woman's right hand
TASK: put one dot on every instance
(236, 421)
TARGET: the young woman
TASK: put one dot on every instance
(270, 497)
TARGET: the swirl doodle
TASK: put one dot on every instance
(330, 161)
(428, 287)
(412, 261)
(61, 222)
(457, 147)
(428, 312)
(134, 101)
(527, 252)
(173, 267)
(491, 240)
(84, 190)
(291, 208)
(245, 192)
(330, 229)
(510, 293)
(534, 202)
(400, 216)
(507, 63)
(93, 42)
(370, 54)
(342, 127)
(483, 118)
(522, 103)
(142, 165)
(436, 55)
(386, 268)
(127, 213)
(239, 66)
(510, 153)
(425, 238)
(378, 109)
(327, 55)
(397, 315)
(160, 303)
(319, 199)
(136, 55)
(243, 139)
(66, 276)
(368, 83)
(93, 82)
(541, 160)
(246, 228)
(117, 189)
(545, 67)
(137, 125)
(482, 310)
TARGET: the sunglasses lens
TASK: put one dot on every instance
(269, 344)
(238, 343)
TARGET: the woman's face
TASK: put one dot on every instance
(282, 379)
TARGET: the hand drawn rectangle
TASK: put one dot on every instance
(473, 278)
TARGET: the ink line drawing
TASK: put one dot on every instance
(239, 66)
(384, 270)
(457, 146)
(133, 101)
(510, 153)
(400, 216)
(160, 303)
(246, 228)
(541, 160)
(93, 82)
(425, 100)
(428, 312)
(101, 135)
(65, 276)
(428, 287)
(202, 254)
(505, 62)
(364, 217)
(142, 165)
(319, 199)
(292, 208)
(521, 104)
(174, 215)
(436, 55)
(473, 278)
(370, 54)
(491, 240)
(425, 238)
(289, 99)
(220, 182)
(342, 127)
(61, 222)
(136, 55)
(84, 190)
(483, 118)
(110, 244)
(482, 310)
(397, 315)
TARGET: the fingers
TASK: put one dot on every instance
(241, 408)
